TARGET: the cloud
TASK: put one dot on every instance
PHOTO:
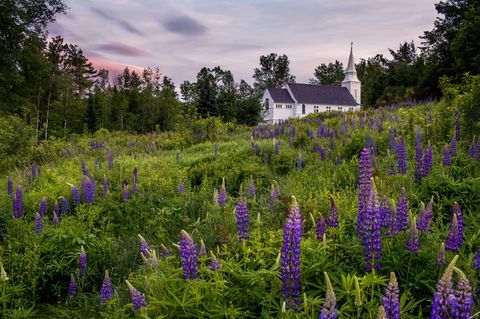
(122, 49)
(184, 25)
(121, 23)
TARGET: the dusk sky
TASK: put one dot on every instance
(180, 37)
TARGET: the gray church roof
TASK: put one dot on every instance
(321, 94)
(280, 95)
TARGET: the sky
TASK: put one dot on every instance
(182, 36)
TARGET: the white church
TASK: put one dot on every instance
(299, 100)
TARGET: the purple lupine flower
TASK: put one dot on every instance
(134, 184)
(222, 195)
(392, 139)
(476, 263)
(274, 193)
(135, 172)
(321, 228)
(453, 147)
(277, 147)
(457, 211)
(165, 251)
(425, 216)
(242, 220)
(125, 193)
(203, 250)
(464, 305)
(110, 160)
(413, 243)
(446, 156)
(385, 212)
(105, 186)
(75, 195)
(364, 180)
(84, 168)
(290, 256)
(441, 256)
(38, 223)
(72, 287)
(444, 296)
(188, 251)
(56, 209)
(453, 242)
(299, 162)
(371, 237)
(64, 205)
(427, 160)
(391, 301)
(402, 156)
(402, 211)
(332, 220)
(106, 291)
(9, 187)
(138, 298)
(18, 205)
(181, 188)
(419, 173)
(251, 188)
(88, 188)
(329, 310)
(33, 173)
(43, 207)
(55, 219)
(144, 247)
(214, 263)
(83, 262)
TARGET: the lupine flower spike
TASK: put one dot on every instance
(391, 301)
(476, 263)
(55, 219)
(441, 256)
(106, 291)
(464, 300)
(320, 228)
(83, 262)
(125, 193)
(43, 207)
(203, 250)
(214, 263)
(144, 247)
(105, 186)
(75, 195)
(38, 223)
(222, 195)
(88, 188)
(290, 256)
(18, 205)
(188, 251)
(332, 220)
(446, 156)
(402, 210)
(453, 241)
(64, 205)
(165, 251)
(138, 298)
(299, 162)
(371, 239)
(444, 297)
(329, 310)
(242, 218)
(413, 243)
(251, 188)
(180, 187)
(364, 187)
(72, 287)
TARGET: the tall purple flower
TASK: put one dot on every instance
(299, 162)
(446, 156)
(84, 168)
(43, 207)
(402, 156)
(64, 205)
(165, 251)
(125, 193)
(476, 263)
(33, 173)
(18, 205)
(444, 297)
(371, 238)
(320, 228)
(75, 195)
(385, 212)
(274, 193)
(402, 211)
(332, 220)
(181, 187)
(106, 291)
(55, 219)
(457, 211)
(144, 247)
(105, 186)
(251, 188)
(242, 220)
(188, 251)
(88, 188)
(56, 208)
(222, 195)
(391, 133)
(329, 310)
(441, 256)
(419, 173)
(425, 216)
(364, 186)
(134, 184)
(72, 287)
(427, 160)
(38, 223)
(391, 301)
(453, 146)
(453, 242)
(83, 262)
(290, 256)
(464, 301)
(214, 263)
(413, 243)
(137, 297)
(9, 187)
(277, 147)
(110, 160)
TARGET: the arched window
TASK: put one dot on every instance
(303, 108)
(267, 103)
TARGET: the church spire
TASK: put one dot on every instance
(351, 61)
(351, 82)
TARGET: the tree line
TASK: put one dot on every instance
(52, 86)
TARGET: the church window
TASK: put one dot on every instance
(328, 108)
(303, 109)
(288, 106)
(315, 109)
(267, 103)
(278, 106)
(339, 108)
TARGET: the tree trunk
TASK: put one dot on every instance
(48, 113)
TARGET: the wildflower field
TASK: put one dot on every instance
(349, 215)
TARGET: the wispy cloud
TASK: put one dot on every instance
(122, 49)
(184, 25)
(121, 23)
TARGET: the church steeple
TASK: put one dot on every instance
(351, 81)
